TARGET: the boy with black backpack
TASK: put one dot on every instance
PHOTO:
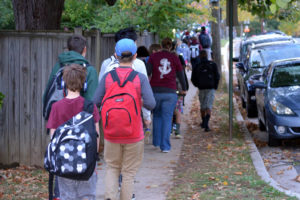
(206, 77)
(71, 155)
(205, 42)
(120, 95)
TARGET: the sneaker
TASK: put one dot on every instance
(177, 136)
(207, 129)
(165, 151)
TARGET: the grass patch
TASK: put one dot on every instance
(212, 167)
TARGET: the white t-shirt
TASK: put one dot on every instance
(111, 63)
(138, 65)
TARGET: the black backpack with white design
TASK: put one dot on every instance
(72, 152)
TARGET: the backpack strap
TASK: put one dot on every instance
(88, 106)
(130, 77)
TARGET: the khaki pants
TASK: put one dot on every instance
(125, 159)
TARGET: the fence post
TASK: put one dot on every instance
(98, 49)
(78, 30)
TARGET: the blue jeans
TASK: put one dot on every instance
(162, 119)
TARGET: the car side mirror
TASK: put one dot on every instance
(259, 85)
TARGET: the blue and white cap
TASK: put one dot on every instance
(125, 45)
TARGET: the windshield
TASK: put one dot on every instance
(280, 52)
(285, 76)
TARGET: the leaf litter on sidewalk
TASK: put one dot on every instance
(211, 166)
(23, 183)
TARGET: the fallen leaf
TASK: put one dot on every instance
(238, 173)
(280, 172)
(209, 146)
(297, 178)
(225, 183)
(212, 178)
(290, 168)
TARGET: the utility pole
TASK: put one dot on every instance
(215, 33)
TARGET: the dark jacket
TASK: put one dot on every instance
(206, 75)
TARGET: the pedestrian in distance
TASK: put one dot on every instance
(183, 49)
(194, 52)
(180, 99)
(120, 95)
(205, 41)
(164, 67)
(66, 109)
(206, 78)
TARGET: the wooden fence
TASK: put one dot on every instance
(25, 65)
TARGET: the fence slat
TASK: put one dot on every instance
(25, 110)
(13, 108)
(4, 86)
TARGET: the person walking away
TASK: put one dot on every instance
(122, 122)
(138, 65)
(142, 53)
(164, 67)
(74, 77)
(206, 77)
(180, 97)
(183, 49)
(76, 54)
(205, 41)
(194, 52)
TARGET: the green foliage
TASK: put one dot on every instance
(161, 16)
(6, 15)
(1, 99)
(78, 13)
(280, 9)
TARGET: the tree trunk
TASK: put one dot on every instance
(37, 14)
(215, 31)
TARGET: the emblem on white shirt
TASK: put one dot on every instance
(165, 67)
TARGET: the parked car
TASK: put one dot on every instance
(258, 39)
(278, 100)
(260, 56)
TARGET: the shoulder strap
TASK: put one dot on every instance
(88, 106)
(131, 76)
(115, 76)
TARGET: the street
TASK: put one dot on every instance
(283, 162)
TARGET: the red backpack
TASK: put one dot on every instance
(121, 109)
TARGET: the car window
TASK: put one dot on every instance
(280, 52)
(255, 59)
(284, 76)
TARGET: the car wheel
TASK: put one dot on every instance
(261, 126)
(272, 142)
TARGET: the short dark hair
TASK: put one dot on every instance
(203, 29)
(74, 76)
(166, 43)
(126, 33)
(203, 54)
(142, 51)
(125, 57)
(154, 47)
(76, 43)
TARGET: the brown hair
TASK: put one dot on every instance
(74, 76)
(166, 43)
(76, 43)
(154, 48)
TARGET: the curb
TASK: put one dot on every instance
(256, 157)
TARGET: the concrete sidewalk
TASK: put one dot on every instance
(156, 173)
